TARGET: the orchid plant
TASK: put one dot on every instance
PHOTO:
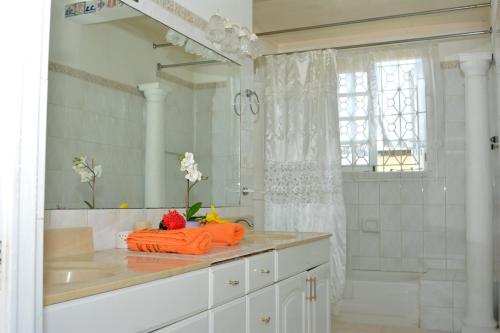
(193, 176)
(88, 174)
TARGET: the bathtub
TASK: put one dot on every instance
(374, 297)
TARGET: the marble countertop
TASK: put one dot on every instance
(102, 271)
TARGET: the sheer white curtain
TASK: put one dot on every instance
(303, 178)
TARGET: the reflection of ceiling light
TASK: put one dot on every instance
(231, 38)
(192, 47)
(175, 38)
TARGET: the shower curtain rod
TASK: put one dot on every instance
(204, 62)
(399, 41)
(374, 19)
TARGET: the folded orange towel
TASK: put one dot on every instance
(185, 241)
(225, 233)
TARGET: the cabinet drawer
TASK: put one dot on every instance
(117, 311)
(261, 311)
(260, 271)
(227, 282)
(229, 318)
(298, 259)
(196, 324)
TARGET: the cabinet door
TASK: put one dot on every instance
(196, 324)
(319, 306)
(261, 311)
(292, 306)
(229, 318)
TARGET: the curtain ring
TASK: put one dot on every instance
(235, 99)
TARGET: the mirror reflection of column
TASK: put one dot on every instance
(155, 193)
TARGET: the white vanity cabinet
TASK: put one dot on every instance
(261, 311)
(194, 324)
(319, 318)
(292, 304)
(278, 291)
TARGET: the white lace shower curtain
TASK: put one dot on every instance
(303, 178)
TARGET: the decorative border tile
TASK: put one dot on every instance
(183, 13)
(450, 64)
(210, 85)
(92, 78)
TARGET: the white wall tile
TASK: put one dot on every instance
(391, 264)
(369, 244)
(390, 217)
(369, 193)
(455, 108)
(435, 318)
(434, 192)
(368, 212)
(412, 217)
(411, 264)
(390, 193)
(455, 191)
(434, 244)
(130, 216)
(369, 263)
(412, 245)
(353, 242)
(411, 193)
(458, 318)
(68, 218)
(455, 245)
(455, 164)
(350, 192)
(434, 264)
(105, 227)
(352, 216)
(459, 289)
(390, 244)
(434, 218)
(455, 217)
(436, 293)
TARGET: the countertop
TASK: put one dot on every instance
(108, 270)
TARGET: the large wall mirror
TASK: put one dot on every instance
(132, 96)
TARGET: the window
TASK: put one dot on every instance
(382, 117)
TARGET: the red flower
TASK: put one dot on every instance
(173, 220)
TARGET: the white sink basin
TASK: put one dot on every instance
(64, 272)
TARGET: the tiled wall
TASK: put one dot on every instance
(421, 215)
(421, 219)
(85, 118)
(108, 125)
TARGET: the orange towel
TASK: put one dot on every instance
(225, 233)
(185, 241)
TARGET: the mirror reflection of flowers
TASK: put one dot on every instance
(88, 174)
(193, 177)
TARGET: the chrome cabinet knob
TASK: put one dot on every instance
(265, 271)
(265, 320)
(233, 282)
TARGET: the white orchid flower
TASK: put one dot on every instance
(193, 174)
(98, 170)
(187, 161)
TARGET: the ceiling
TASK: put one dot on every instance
(303, 13)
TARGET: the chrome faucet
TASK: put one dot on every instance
(250, 223)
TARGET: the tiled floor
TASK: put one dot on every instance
(343, 327)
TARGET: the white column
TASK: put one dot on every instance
(155, 174)
(478, 196)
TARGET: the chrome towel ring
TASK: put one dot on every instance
(252, 99)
